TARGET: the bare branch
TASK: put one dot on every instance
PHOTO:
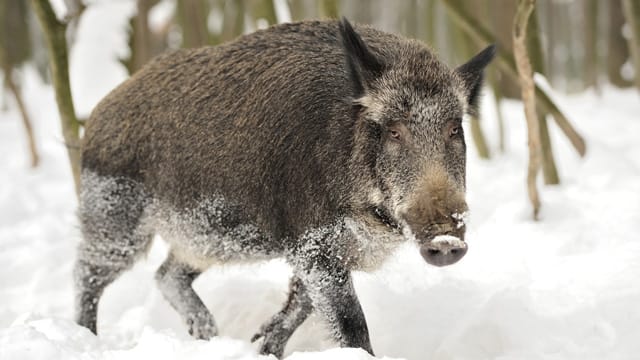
(26, 121)
(525, 7)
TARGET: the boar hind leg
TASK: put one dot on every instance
(113, 239)
(174, 280)
(277, 331)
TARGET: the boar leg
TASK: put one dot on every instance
(110, 212)
(277, 331)
(174, 280)
(92, 276)
(331, 290)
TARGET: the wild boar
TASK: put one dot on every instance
(315, 142)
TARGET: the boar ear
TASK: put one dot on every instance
(362, 66)
(472, 74)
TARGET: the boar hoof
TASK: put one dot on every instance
(202, 327)
(274, 338)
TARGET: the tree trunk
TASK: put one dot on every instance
(549, 169)
(408, 19)
(463, 50)
(141, 37)
(361, 11)
(56, 41)
(26, 121)
(500, 24)
(428, 28)
(144, 42)
(15, 49)
(298, 10)
(484, 12)
(192, 16)
(618, 53)
(525, 7)
(548, 20)
(263, 9)
(574, 80)
(590, 43)
(479, 139)
(233, 23)
(15, 37)
(632, 14)
(497, 96)
(328, 9)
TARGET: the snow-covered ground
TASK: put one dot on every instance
(565, 287)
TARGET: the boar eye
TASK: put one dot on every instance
(394, 134)
(397, 132)
(454, 129)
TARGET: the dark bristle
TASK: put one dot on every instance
(361, 63)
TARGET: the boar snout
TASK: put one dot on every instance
(436, 217)
(443, 250)
(443, 243)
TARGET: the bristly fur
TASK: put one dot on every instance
(282, 143)
(362, 65)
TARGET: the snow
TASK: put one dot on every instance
(564, 287)
(448, 240)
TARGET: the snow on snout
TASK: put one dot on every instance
(461, 218)
(447, 241)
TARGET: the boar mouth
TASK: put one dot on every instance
(383, 215)
(441, 244)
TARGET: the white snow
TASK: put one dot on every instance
(565, 287)
(461, 218)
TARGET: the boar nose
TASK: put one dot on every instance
(443, 250)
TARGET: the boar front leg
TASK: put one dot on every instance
(331, 290)
(277, 331)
